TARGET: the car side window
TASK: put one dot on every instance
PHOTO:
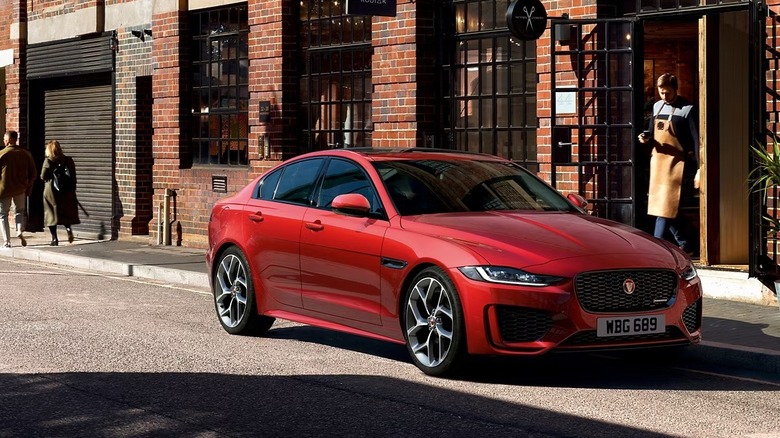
(343, 177)
(297, 181)
(267, 186)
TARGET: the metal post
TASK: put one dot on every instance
(167, 218)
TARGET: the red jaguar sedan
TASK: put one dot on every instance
(450, 253)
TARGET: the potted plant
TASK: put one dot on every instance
(765, 177)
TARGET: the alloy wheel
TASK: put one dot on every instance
(429, 322)
(231, 296)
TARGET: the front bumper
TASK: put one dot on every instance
(515, 320)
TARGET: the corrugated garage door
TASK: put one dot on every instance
(80, 118)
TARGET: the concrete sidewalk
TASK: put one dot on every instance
(736, 333)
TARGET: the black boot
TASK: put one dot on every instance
(53, 231)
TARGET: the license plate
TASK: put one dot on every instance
(630, 325)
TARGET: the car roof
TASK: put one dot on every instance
(381, 154)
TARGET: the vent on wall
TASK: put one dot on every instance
(219, 184)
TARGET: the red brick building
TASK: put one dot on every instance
(186, 101)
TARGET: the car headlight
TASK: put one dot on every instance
(689, 273)
(497, 274)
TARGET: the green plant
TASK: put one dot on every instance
(767, 172)
(766, 175)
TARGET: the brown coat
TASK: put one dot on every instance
(59, 208)
(17, 171)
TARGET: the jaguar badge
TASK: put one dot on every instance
(629, 286)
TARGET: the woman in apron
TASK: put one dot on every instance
(675, 139)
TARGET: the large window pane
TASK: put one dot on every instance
(335, 85)
(491, 78)
(220, 86)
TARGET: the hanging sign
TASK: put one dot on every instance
(526, 19)
(385, 8)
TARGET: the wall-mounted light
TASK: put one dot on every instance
(141, 34)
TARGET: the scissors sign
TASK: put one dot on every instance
(528, 16)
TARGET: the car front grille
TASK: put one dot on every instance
(692, 316)
(606, 291)
(520, 324)
(589, 337)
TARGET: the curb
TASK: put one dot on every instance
(168, 275)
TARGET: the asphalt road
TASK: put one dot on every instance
(90, 355)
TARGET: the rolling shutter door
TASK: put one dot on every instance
(80, 118)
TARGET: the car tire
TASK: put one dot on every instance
(432, 321)
(234, 296)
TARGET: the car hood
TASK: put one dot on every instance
(533, 238)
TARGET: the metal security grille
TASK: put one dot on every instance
(489, 84)
(336, 77)
(71, 57)
(220, 89)
(80, 117)
(605, 291)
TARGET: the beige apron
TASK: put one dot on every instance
(666, 170)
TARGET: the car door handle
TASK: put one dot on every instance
(256, 217)
(315, 226)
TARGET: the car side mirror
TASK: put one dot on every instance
(577, 200)
(352, 204)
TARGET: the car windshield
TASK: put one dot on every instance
(449, 186)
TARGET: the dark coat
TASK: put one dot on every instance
(17, 172)
(59, 208)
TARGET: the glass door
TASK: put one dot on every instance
(594, 107)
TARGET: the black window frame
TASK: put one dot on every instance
(335, 81)
(489, 75)
(219, 100)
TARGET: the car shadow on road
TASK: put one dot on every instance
(346, 341)
(656, 368)
(203, 404)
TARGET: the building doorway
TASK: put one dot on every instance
(709, 56)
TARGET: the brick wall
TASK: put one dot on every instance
(6, 9)
(15, 84)
(49, 8)
(133, 125)
(566, 177)
(394, 75)
(167, 90)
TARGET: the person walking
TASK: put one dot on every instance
(674, 134)
(60, 205)
(17, 176)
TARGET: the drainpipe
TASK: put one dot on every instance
(159, 224)
(166, 218)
